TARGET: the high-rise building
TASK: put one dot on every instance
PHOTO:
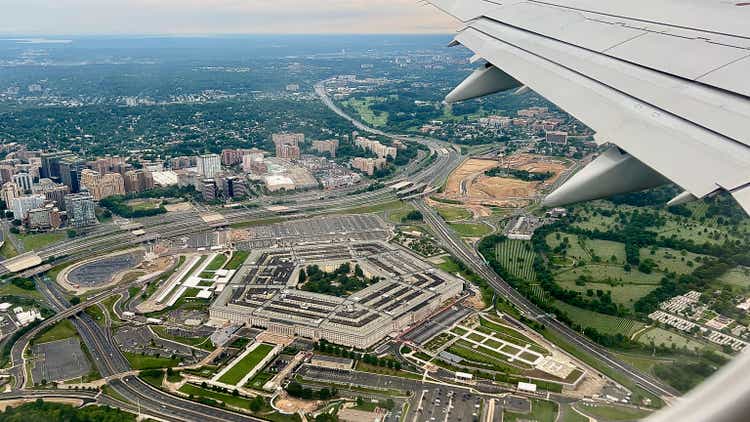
(288, 152)
(368, 165)
(253, 163)
(557, 137)
(209, 190)
(288, 144)
(9, 192)
(329, 146)
(382, 151)
(6, 172)
(21, 205)
(138, 181)
(24, 181)
(209, 165)
(55, 193)
(183, 162)
(233, 187)
(102, 186)
(80, 209)
(51, 164)
(44, 218)
(70, 169)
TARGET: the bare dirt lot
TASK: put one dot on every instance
(469, 184)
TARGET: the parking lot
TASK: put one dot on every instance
(101, 271)
(141, 340)
(59, 361)
(320, 229)
(445, 404)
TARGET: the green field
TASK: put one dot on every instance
(238, 257)
(626, 294)
(8, 250)
(38, 241)
(362, 107)
(601, 322)
(671, 260)
(541, 411)
(216, 263)
(10, 289)
(517, 257)
(149, 362)
(570, 415)
(454, 213)
(229, 399)
(606, 273)
(397, 215)
(471, 229)
(612, 413)
(244, 366)
(660, 336)
(737, 277)
(608, 251)
(62, 330)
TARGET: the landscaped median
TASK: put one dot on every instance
(247, 364)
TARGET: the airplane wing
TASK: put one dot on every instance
(666, 82)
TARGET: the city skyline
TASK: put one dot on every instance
(201, 17)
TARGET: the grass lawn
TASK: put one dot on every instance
(149, 362)
(259, 380)
(229, 399)
(386, 206)
(216, 263)
(397, 215)
(250, 361)
(62, 330)
(96, 312)
(541, 411)
(625, 295)
(601, 322)
(471, 229)
(9, 289)
(40, 240)
(737, 277)
(644, 362)
(8, 250)
(570, 415)
(454, 213)
(661, 336)
(612, 413)
(238, 257)
(362, 107)
(609, 273)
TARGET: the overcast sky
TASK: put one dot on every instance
(185, 17)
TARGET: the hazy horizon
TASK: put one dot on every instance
(29, 18)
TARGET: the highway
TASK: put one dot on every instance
(469, 256)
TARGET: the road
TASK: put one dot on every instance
(469, 256)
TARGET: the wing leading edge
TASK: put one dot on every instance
(670, 95)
